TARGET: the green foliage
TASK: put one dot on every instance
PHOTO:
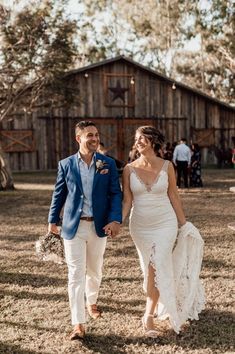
(155, 33)
(149, 32)
(37, 47)
(213, 66)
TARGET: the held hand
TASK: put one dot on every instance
(112, 229)
(53, 228)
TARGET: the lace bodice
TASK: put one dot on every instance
(159, 185)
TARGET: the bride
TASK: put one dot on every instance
(171, 273)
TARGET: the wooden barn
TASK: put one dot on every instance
(118, 95)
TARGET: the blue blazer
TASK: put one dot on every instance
(68, 194)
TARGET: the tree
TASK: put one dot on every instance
(150, 32)
(156, 33)
(211, 69)
(37, 48)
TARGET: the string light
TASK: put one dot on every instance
(132, 81)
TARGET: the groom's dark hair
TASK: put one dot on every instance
(83, 124)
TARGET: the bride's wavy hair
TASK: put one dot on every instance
(155, 137)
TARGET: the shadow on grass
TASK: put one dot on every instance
(17, 239)
(213, 331)
(122, 306)
(8, 348)
(40, 329)
(215, 264)
(33, 280)
(129, 302)
(33, 296)
(115, 344)
(120, 279)
(129, 251)
(122, 310)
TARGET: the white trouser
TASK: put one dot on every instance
(84, 258)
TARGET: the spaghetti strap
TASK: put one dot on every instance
(131, 168)
(165, 166)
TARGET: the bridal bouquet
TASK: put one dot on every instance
(50, 247)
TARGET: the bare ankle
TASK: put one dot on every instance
(148, 315)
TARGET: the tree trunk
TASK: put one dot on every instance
(6, 179)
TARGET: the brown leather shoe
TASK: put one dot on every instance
(93, 311)
(78, 332)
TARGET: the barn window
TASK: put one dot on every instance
(17, 140)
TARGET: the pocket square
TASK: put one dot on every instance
(104, 171)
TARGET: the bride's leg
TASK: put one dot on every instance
(152, 298)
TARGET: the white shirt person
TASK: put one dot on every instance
(182, 160)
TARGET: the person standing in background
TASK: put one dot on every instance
(182, 160)
(119, 164)
(195, 173)
(168, 152)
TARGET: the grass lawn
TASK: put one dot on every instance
(35, 317)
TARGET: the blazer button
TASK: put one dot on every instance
(82, 196)
(80, 210)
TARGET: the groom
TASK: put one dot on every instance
(88, 190)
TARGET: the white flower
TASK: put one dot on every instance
(100, 165)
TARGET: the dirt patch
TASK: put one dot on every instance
(35, 315)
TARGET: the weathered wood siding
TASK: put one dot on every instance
(174, 111)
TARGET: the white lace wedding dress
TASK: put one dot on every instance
(154, 229)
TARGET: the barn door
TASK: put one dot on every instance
(118, 135)
(108, 129)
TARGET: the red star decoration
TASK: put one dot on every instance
(118, 91)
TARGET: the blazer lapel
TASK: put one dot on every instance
(76, 171)
(96, 175)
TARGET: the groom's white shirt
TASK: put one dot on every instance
(87, 176)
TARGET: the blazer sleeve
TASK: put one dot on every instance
(58, 197)
(115, 195)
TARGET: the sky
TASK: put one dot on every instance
(75, 8)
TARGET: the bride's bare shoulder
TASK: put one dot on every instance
(130, 167)
(127, 169)
(134, 163)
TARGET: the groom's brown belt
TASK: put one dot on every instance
(87, 218)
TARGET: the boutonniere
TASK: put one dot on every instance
(100, 165)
